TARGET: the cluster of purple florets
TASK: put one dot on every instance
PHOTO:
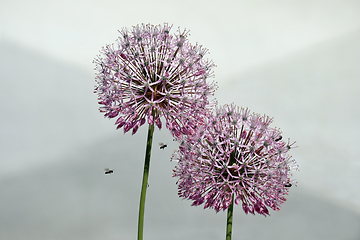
(236, 154)
(225, 154)
(148, 74)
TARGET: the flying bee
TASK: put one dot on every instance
(162, 145)
(108, 171)
(288, 185)
(278, 139)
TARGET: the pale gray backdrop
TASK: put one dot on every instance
(297, 61)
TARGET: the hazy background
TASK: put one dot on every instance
(297, 61)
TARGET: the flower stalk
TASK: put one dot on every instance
(145, 181)
(229, 219)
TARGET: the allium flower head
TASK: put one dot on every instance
(150, 73)
(235, 154)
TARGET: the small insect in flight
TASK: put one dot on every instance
(278, 139)
(108, 171)
(288, 185)
(162, 145)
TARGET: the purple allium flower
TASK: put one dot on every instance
(149, 73)
(235, 154)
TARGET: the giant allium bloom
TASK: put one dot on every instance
(236, 154)
(150, 73)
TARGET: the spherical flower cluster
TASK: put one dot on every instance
(235, 155)
(149, 73)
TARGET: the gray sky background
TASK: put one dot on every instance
(297, 61)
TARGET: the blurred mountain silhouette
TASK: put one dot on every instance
(55, 145)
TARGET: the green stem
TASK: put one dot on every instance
(145, 182)
(229, 219)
